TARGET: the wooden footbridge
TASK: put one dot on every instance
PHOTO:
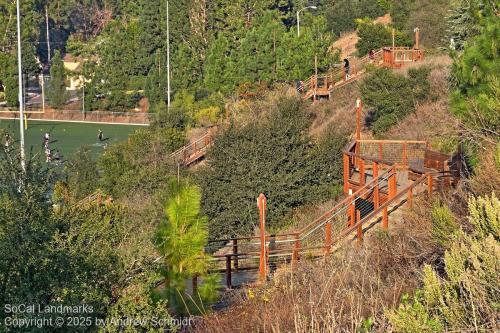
(320, 86)
(379, 177)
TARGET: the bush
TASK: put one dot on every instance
(466, 297)
(273, 156)
(341, 15)
(139, 164)
(373, 36)
(444, 226)
(391, 96)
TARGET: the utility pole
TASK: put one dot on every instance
(43, 93)
(168, 60)
(83, 98)
(48, 34)
(20, 77)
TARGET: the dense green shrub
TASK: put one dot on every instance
(56, 92)
(341, 15)
(81, 172)
(8, 78)
(444, 226)
(274, 156)
(140, 163)
(476, 99)
(373, 36)
(77, 254)
(391, 97)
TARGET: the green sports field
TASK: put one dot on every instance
(68, 137)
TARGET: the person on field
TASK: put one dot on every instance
(100, 135)
(48, 156)
(7, 140)
(46, 139)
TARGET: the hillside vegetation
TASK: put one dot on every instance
(128, 231)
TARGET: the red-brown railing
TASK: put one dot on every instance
(371, 186)
(337, 76)
(193, 151)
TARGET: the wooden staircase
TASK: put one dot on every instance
(379, 176)
(321, 86)
(195, 150)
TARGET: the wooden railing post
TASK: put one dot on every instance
(235, 253)
(228, 271)
(296, 248)
(392, 183)
(385, 219)
(376, 193)
(328, 237)
(261, 203)
(430, 184)
(361, 172)
(352, 213)
(359, 232)
(346, 173)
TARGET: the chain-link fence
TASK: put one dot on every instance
(37, 105)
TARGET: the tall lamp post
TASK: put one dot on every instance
(20, 77)
(298, 17)
(168, 60)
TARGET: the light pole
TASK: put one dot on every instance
(298, 17)
(168, 60)
(20, 77)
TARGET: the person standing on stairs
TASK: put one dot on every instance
(371, 56)
(347, 69)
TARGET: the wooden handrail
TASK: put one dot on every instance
(381, 207)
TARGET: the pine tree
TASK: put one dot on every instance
(181, 239)
(477, 98)
(218, 70)
(57, 93)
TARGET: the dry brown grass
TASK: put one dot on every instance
(487, 173)
(341, 291)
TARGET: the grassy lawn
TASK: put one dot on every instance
(67, 137)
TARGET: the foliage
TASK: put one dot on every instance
(82, 173)
(466, 297)
(341, 15)
(137, 163)
(444, 227)
(373, 36)
(485, 216)
(135, 303)
(8, 78)
(392, 96)
(56, 91)
(464, 22)
(273, 156)
(67, 256)
(181, 239)
(476, 99)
